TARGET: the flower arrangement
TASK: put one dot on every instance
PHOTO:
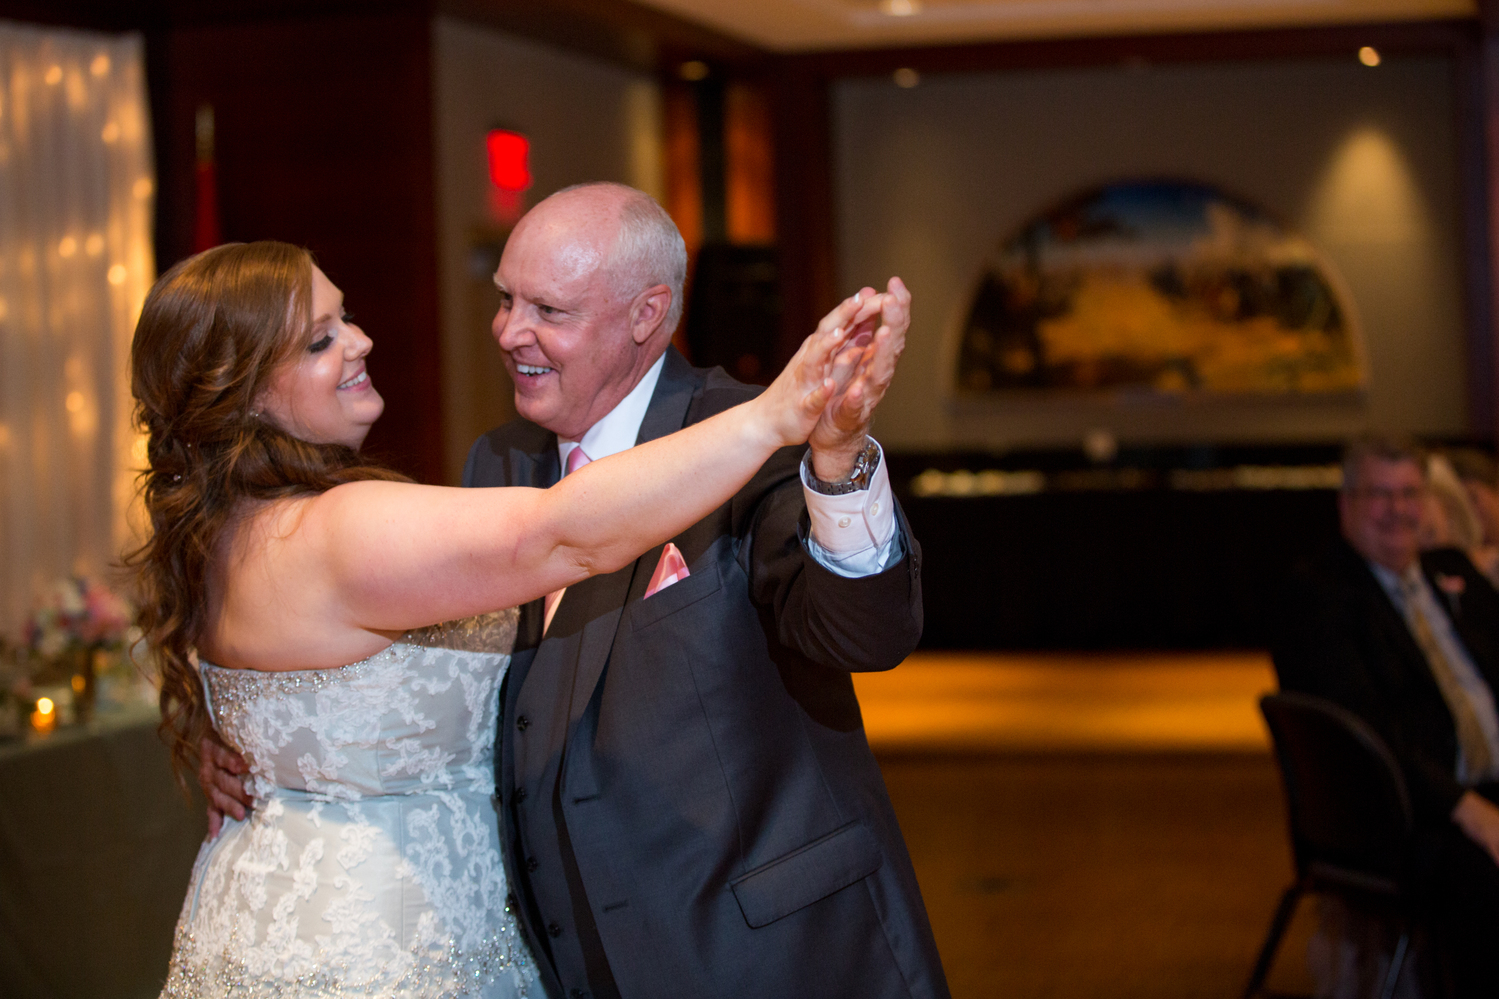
(78, 613)
(74, 637)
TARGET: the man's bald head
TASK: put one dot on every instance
(591, 281)
(647, 249)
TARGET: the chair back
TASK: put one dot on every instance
(1345, 794)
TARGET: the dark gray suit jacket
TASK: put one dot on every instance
(690, 805)
(1341, 638)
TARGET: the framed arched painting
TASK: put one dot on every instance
(1159, 287)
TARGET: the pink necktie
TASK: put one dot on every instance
(576, 459)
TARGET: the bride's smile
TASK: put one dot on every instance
(323, 393)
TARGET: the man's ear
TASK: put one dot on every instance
(648, 312)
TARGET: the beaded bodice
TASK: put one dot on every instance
(416, 717)
(370, 864)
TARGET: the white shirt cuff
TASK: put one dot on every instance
(854, 534)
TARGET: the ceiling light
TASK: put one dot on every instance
(900, 8)
(906, 77)
(693, 71)
(1369, 55)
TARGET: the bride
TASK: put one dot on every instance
(289, 592)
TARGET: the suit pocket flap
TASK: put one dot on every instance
(683, 593)
(808, 874)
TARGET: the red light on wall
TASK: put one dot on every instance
(509, 152)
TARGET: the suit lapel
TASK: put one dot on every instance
(541, 470)
(674, 390)
(587, 620)
(595, 613)
(1465, 610)
(1409, 659)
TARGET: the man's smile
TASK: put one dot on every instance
(532, 369)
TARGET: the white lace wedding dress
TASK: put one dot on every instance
(370, 865)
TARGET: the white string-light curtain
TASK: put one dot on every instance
(76, 188)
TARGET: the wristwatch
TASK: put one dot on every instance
(863, 471)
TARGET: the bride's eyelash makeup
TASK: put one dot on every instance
(318, 346)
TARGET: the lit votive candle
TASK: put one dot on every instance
(44, 718)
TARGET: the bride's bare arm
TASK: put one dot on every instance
(431, 553)
(378, 557)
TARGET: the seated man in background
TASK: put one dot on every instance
(1410, 642)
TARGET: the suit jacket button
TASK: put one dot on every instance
(554, 930)
(576, 994)
(520, 794)
(531, 865)
(522, 723)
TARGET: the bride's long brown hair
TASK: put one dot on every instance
(212, 332)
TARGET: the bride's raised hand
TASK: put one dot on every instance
(794, 402)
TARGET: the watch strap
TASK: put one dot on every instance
(858, 478)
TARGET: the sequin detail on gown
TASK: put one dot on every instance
(370, 865)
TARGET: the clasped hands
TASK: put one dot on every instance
(861, 371)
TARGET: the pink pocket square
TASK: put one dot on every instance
(672, 568)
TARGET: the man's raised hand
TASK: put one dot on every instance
(862, 372)
(798, 398)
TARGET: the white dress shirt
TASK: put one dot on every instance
(853, 534)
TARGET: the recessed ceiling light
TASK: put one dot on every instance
(906, 77)
(1369, 55)
(900, 8)
(693, 71)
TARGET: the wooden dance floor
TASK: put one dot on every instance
(1048, 702)
(1089, 826)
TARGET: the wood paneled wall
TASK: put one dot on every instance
(324, 139)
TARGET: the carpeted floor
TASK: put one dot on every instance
(1116, 870)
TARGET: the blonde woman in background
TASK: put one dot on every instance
(1448, 519)
(1480, 480)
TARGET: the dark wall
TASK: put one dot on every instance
(324, 139)
(1163, 548)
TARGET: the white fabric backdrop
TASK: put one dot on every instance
(76, 189)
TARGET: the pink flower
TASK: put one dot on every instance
(77, 612)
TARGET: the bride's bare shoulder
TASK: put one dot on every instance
(266, 586)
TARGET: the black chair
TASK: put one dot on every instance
(1350, 817)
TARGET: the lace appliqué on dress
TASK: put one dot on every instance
(370, 865)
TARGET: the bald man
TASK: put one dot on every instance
(690, 805)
